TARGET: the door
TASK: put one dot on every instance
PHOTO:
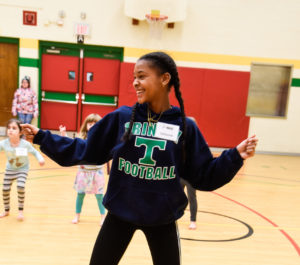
(59, 89)
(8, 79)
(100, 86)
(78, 80)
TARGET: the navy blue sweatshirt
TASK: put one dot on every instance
(144, 185)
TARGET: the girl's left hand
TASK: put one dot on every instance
(42, 163)
(247, 147)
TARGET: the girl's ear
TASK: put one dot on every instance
(166, 77)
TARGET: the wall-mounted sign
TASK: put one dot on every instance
(29, 18)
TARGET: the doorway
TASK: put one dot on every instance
(9, 53)
(77, 80)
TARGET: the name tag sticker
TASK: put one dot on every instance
(21, 151)
(166, 131)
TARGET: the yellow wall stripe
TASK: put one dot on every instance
(29, 43)
(213, 58)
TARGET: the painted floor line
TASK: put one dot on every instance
(268, 183)
(50, 168)
(289, 238)
(266, 177)
(44, 177)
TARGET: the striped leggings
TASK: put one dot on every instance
(9, 177)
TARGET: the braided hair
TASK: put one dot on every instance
(164, 64)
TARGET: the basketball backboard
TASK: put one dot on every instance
(174, 9)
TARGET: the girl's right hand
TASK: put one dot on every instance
(29, 131)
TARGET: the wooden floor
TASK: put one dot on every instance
(254, 220)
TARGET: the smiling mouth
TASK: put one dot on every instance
(139, 93)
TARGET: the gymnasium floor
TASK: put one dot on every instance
(254, 220)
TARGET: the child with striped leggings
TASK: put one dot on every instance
(17, 166)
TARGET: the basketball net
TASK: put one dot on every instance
(156, 25)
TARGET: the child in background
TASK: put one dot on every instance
(192, 197)
(89, 178)
(152, 144)
(17, 165)
(25, 104)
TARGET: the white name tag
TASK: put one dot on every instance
(21, 151)
(166, 131)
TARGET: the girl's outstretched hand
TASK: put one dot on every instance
(247, 147)
(63, 130)
(29, 131)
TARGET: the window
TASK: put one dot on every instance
(268, 90)
(72, 75)
(89, 76)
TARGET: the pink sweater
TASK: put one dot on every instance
(25, 101)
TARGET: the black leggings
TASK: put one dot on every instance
(115, 235)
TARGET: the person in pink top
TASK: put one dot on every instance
(25, 104)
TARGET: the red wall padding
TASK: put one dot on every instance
(223, 108)
(127, 95)
(191, 86)
(215, 98)
(54, 114)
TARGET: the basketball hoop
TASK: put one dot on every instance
(156, 24)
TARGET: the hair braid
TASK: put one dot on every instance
(127, 134)
(176, 84)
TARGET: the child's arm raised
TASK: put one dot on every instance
(36, 153)
(62, 130)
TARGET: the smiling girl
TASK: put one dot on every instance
(152, 145)
(17, 166)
